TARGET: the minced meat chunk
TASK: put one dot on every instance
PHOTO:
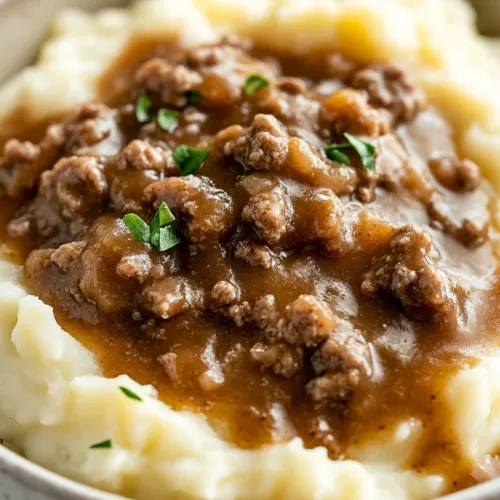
(457, 175)
(168, 297)
(407, 270)
(284, 359)
(389, 87)
(308, 321)
(208, 210)
(75, 187)
(169, 82)
(140, 155)
(268, 212)
(254, 254)
(93, 131)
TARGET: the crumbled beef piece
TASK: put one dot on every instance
(223, 294)
(291, 85)
(230, 141)
(336, 386)
(67, 255)
(169, 82)
(267, 144)
(77, 184)
(262, 312)
(472, 233)
(168, 297)
(253, 253)
(241, 313)
(346, 349)
(207, 210)
(308, 321)
(22, 163)
(348, 111)
(75, 187)
(93, 131)
(457, 175)
(284, 359)
(390, 87)
(407, 270)
(268, 213)
(140, 155)
(323, 435)
(19, 166)
(169, 363)
(134, 266)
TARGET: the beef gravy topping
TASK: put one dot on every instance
(329, 265)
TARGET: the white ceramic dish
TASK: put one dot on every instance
(25, 22)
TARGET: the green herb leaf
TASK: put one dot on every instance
(143, 107)
(102, 445)
(365, 150)
(254, 83)
(193, 97)
(162, 217)
(130, 394)
(139, 229)
(333, 153)
(190, 159)
(167, 119)
(168, 238)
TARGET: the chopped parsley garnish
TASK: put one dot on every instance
(102, 445)
(190, 159)
(139, 229)
(167, 119)
(159, 233)
(365, 150)
(193, 97)
(130, 394)
(333, 153)
(255, 83)
(143, 107)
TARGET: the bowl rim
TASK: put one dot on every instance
(39, 479)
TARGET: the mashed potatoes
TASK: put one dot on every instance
(54, 404)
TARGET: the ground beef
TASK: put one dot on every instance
(323, 435)
(140, 155)
(307, 321)
(268, 213)
(169, 82)
(223, 294)
(457, 175)
(407, 270)
(390, 87)
(254, 254)
(207, 211)
(266, 144)
(169, 363)
(472, 233)
(75, 187)
(168, 297)
(93, 131)
(284, 359)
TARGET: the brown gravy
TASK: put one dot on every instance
(412, 359)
